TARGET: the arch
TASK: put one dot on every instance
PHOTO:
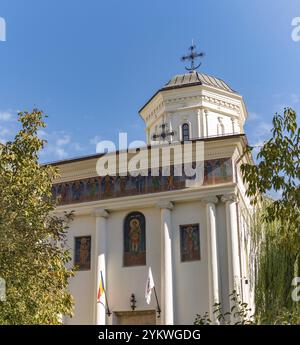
(185, 131)
(134, 239)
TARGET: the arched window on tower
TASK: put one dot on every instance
(185, 132)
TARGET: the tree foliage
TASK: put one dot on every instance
(33, 256)
(278, 170)
(275, 267)
(276, 223)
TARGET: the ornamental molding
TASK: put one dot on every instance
(156, 111)
(210, 200)
(229, 198)
(209, 99)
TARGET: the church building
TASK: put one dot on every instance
(195, 239)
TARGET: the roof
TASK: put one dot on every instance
(192, 79)
(98, 155)
(195, 78)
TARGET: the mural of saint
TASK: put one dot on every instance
(170, 181)
(189, 242)
(107, 182)
(92, 187)
(77, 189)
(156, 182)
(122, 183)
(134, 239)
(83, 252)
(139, 183)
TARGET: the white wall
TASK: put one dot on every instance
(123, 281)
(191, 286)
(190, 278)
(223, 254)
(82, 285)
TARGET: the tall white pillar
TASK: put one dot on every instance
(200, 115)
(232, 242)
(100, 262)
(166, 263)
(206, 122)
(213, 255)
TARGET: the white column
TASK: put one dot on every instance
(206, 122)
(233, 125)
(166, 263)
(200, 123)
(100, 262)
(232, 242)
(213, 255)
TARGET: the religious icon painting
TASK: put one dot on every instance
(83, 253)
(189, 242)
(134, 240)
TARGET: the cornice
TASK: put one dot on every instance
(212, 150)
(154, 114)
(210, 200)
(232, 197)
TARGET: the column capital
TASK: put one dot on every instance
(232, 197)
(100, 212)
(210, 199)
(165, 204)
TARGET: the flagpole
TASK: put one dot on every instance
(158, 307)
(108, 313)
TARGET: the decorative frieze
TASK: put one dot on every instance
(212, 100)
(216, 171)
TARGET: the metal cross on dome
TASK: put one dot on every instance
(192, 56)
(164, 134)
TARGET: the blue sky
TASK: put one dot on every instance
(90, 65)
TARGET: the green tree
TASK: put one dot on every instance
(276, 223)
(34, 260)
(278, 170)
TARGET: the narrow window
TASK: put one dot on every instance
(185, 132)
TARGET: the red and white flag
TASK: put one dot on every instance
(149, 286)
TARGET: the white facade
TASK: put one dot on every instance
(216, 115)
(208, 105)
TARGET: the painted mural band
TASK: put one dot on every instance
(216, 171)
